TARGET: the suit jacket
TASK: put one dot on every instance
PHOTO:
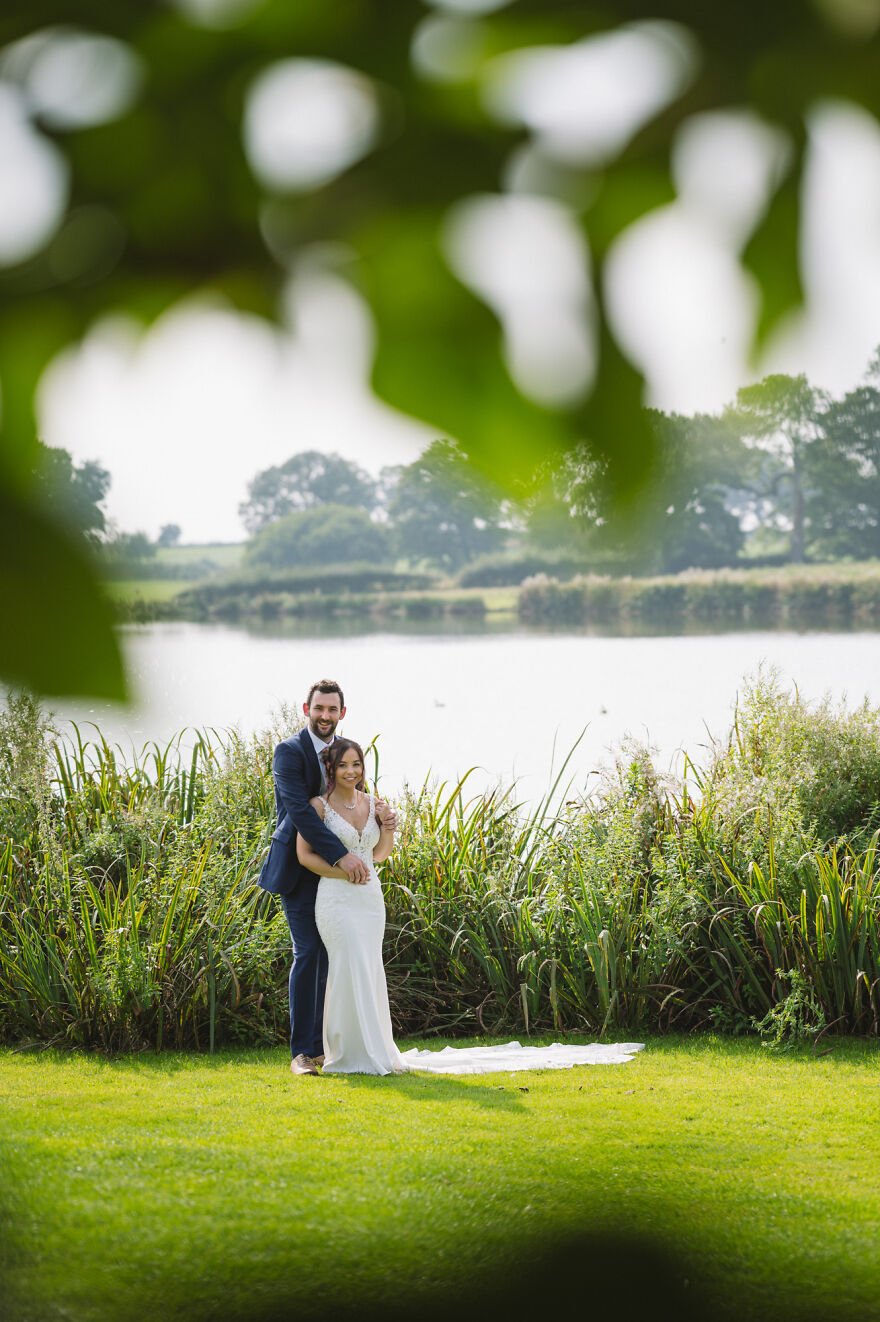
(296, 774)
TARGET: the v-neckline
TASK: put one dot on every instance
(358, 833)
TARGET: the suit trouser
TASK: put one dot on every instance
(308, 973)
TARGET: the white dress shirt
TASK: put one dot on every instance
(319, 746)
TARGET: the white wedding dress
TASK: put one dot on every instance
(351, 921)
(357, 1022)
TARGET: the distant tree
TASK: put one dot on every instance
(169, 534)
(129, 547)
(443, 511)
(386, 485)
(324, 535)
(845, 514)
(304, 481)
(783, 417)
(685, 519)
(72, 493)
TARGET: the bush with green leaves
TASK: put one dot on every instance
(322, 535)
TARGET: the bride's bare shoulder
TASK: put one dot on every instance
(319, 805)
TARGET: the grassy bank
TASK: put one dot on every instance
(820, 596)
(828, 596)
(707, 1178)
(146, 600)
(129, 916)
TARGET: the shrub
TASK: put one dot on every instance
(323, 535)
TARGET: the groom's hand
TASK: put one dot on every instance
(355, 869)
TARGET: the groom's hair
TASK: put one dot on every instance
(331, 756)
(325, 686)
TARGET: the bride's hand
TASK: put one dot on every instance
(386, 816)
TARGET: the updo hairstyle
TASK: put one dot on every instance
(332, 755)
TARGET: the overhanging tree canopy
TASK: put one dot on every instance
(163, 201)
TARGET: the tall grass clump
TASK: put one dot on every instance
(744, 896)
(128, 916)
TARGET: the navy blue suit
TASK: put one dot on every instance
(297, 777)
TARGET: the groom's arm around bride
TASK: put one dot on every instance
(296, 781)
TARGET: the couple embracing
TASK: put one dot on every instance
(329, 837)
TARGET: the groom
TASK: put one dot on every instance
(298, 775)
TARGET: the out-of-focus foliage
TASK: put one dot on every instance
(302, 482)
(163, 201)
(683, 519)
(323, 535)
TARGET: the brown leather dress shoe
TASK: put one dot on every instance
(302, 1065)
(319, 1061)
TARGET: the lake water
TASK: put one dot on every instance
(510, 702)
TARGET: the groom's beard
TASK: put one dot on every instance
(325, 734)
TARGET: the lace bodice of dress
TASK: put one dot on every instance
(362, 844)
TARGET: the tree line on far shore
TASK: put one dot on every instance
(785, 474)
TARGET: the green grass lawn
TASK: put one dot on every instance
(225, 555)
(148, 589)
(496, 600)
(207, 1187)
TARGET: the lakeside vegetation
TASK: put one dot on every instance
(748, 895)
(834, 596)
(824, 596)
(707, 1178)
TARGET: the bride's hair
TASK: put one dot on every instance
(331, 756)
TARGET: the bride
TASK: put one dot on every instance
(350, 918)
(351, 921)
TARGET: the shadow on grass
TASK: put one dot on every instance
(628, 1280)
(506, 1096)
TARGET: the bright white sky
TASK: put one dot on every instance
(185, 415)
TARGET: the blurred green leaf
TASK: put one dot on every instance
(57, 633)
(772, 257)
(626, 193)
(29, 337)
(438, 354)
(615, 422)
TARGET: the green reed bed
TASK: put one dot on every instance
(744, 897)
(827, 596)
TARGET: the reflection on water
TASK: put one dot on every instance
(506, 700)
(490, 625)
